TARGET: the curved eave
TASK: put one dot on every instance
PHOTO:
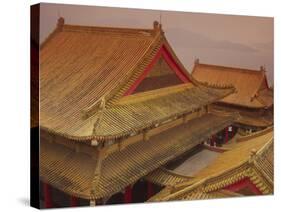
(254, 123)
(258, 168)
(118, 92)
(243, 105)
(146, 126)
(165, 177)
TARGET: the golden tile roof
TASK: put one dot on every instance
(74, 172)
(249, 118)
(235, 156)
(165, 177)
(251, 158)
(195, 194)
(251, 85)
(132, 114)
(81, 65)
(66, 169)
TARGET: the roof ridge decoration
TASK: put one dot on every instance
(60, 26)
(153, 94)
(97, 107)
(99, 115)
(60, 22)
(157, 27)
(230, 68)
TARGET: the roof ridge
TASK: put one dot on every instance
(157, 27)
(107, 28)
(159, 92)
(243, 70)
(61, 26)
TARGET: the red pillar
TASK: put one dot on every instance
(226, 135)
(73, 201)
(149, 190)
(128, 194)
(213, 140)
(230, 130)
(47, 196)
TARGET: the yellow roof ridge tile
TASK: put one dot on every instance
(230, 68)
(121, 30)
(152, 94)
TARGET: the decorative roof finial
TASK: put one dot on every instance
(196, 61)
(99, 114)
(156, 25)
(262, 68)
(253, 152)
(60, 22)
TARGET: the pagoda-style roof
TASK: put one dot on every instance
(165, 177)
(252, 90)
(134, 113)
(246, 117)
(85, 70)
(251, 158)
(76, 173)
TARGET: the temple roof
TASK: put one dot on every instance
(74, 172)
(79, 65)
(251, 85)
(165, 177)
(251, 158)
(134, 113)
(83, 68)
(248, 118)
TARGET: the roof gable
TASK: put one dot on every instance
(160, 76)
(169, 58)
(247, 82)
(79, 65)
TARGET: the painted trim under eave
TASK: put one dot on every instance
(244, 183)
(170, 61)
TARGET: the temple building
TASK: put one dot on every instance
(253, 98)
(116, 106)
(245, 168)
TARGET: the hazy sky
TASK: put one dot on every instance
(239, 41)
